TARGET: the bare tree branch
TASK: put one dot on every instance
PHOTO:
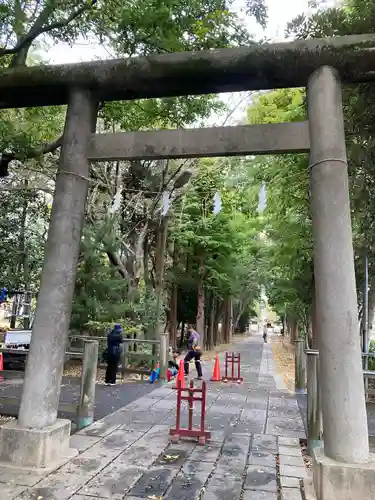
(38, 28)
(237, 105)
(6, 158)
(30, 188)
(117, 263)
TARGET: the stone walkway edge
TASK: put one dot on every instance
(254, 452)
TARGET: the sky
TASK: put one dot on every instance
(280, 12)
(279, 15)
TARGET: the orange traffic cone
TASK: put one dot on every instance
(216, 372)
(180, 376)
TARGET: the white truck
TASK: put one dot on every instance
(15, 343)
(17, 339)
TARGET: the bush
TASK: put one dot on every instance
(371, 361)
(101, 329)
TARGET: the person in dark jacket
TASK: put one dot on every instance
(265, 332)
(114, 341)
(194, 352)
(172, 363)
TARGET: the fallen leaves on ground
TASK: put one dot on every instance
(306, 458)
(209, 355)
(4, 419)
(73, 369)
(283, 354)
(278, 476)
(171, 457)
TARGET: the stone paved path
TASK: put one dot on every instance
(128, 454)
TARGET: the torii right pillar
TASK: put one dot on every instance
(344, 469)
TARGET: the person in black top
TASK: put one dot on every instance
(114, 341)
(265, 332)
(194, 352)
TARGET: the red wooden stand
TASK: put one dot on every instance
(232, 358)
(190, 394)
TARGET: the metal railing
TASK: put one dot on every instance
(84, 409)
(128, 352)
(76, 352)
(314, 408)
(314, 411)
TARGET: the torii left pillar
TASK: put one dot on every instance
(39, 439)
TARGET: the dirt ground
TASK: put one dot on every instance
(73, 369)
(283, 353)
(209, 355)
(4, 419)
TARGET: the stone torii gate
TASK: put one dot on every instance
(344, 469)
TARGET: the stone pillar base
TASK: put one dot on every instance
(339, 481)
(40, 450)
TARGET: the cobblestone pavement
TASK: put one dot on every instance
(254, 449)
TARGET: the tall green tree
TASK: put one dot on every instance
(121, 241)
(218, 256)
(286, 226)
(353, 17)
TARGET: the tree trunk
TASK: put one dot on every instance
(211, 323)
(227, 334)
(225, 325)
(200, 300)
(218, 331)
(244, 302)
(293, 329)
(173, 316)
(23, 257)
(161, 245)
(230, 318)
(13, 318)
(182, 337)
(173, 298)
(146, 272)
(371, 307)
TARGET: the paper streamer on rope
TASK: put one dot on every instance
(116, 203)
(262, 198)
(217, 203)
(166, 201)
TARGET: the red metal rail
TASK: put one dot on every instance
(191, 394)
(232, 359)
